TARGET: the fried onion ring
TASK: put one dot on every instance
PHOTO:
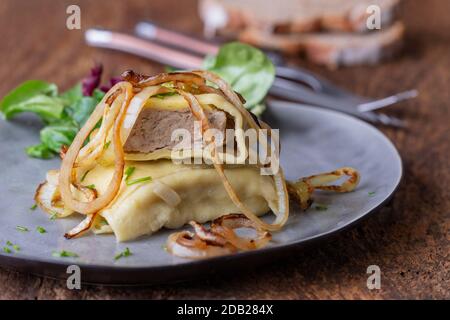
(225, 226)
(302, 189)
(71, 155)
(186, 244)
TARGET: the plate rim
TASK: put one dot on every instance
(27, 264)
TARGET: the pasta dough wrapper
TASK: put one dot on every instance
(138, 210)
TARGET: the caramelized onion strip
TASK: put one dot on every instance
(302, 189)
(232, 96)
(71, 155)
(207, 235)
(225, 226)
(280, 182)
(220, 239)
(87, 157)
(186, 244)
(82, 227)
(48, 197)
(320, 181)
(135, 107)
(145, 81)
(110, 109)
(283, 210)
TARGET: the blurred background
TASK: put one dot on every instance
(38, 44)
(409, 237)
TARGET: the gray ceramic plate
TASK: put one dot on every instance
(313, 141)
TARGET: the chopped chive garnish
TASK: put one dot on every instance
(106, 146)
(84, 175)
(140, 180)
(371, 193)
(53, 216)
(64, 253)
(40, 229)
(169, 85)
(163, 95)
(23, 229)
(33, 207)
(123, 254)
(321, 207)
(10, 244)
(101, 223)
(128, 172)
(91, 186)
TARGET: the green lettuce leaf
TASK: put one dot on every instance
(81, 109)
(49, 109)
(63, 114)
(73, 94)
(98, 94)
(55, 136)
(34, 96)
(27, 90)
(40, 151)
(247, 69)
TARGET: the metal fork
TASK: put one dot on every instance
(284, 88)
(151, 31)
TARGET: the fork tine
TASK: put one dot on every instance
(381, 103)
(294, 92)
(152, 31)
(391, 121)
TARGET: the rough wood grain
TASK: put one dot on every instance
(409, 239)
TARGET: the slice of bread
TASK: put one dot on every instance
(292, 16)
(333, 49)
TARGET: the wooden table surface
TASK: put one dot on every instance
(408, 239)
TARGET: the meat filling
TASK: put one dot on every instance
(153, 128)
